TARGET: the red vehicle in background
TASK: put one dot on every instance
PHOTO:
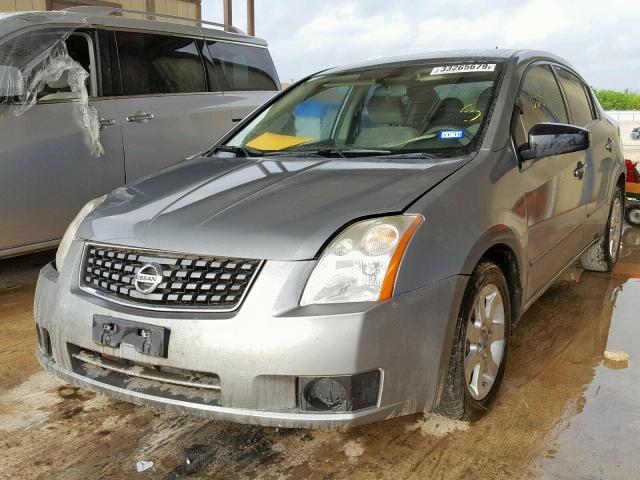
(632, 188)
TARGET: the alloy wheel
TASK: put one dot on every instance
(615, 228)
(484, 342)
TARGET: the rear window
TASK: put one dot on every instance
(159, 64)
(243, 67)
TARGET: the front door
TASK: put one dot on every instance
(555, 202)
(48, 169)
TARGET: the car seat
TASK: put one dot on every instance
(387, 112)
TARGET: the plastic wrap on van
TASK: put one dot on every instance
(34, 59)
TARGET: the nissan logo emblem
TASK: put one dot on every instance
(147, 279)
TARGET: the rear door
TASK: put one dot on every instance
(48, 169)
(598, 159)
(167, 107)
(554, 195)
(246, 74)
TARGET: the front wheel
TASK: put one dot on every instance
(602, 256)
(633, 215)
(480, 345)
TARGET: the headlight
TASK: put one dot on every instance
(70, 234)
(361, 263)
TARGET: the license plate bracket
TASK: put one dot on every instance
(146, 339)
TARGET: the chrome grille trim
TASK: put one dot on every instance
(161, 257)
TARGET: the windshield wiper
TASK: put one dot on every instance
(348, 152)
(239, 151)
(397, 154)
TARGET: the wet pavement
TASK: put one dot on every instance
(563, 411)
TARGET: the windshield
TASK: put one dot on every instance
(437, 109)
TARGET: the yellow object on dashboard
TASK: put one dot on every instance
(275, 141)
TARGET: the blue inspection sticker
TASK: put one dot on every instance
(450, 134)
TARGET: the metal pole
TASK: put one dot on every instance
(228, 13)
(251, 18)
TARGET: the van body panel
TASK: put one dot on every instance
(48, 173)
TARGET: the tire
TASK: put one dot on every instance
(632, 215)
(603, 255)
(464, 397)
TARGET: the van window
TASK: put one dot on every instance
(540, 100)
(78, 47)
(159, 64)
(576, 97)
(243, 67)
(109, 81)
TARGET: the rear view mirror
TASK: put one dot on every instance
(11, 83)
(548, 139)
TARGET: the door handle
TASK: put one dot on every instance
(609, 145)
(579, 171)
(106, 122)
(140, 117)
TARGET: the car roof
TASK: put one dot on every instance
(498, 54)
(77, 17)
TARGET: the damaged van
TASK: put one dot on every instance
(94, 97)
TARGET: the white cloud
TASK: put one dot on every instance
(598, 37)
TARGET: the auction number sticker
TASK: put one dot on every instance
(464, 68)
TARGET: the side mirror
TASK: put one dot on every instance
(548, 139)
(11, 83)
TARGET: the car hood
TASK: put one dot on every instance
(265, 208)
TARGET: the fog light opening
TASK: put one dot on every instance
(44, 340)
(329, 392)
(343, 393)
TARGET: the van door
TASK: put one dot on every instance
(48, 170)
(246, 73)
(167, 109)
(598, 158)
(554, 196)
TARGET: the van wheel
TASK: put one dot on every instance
(480, 345)
(633, 216)
(602, 256)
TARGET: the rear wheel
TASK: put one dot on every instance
(602, 256)
(633, 215)
(480, 345)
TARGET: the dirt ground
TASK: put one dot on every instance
(563, 411)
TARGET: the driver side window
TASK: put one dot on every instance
(79, 46)
(541, 102)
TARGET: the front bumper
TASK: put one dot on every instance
(259, 351)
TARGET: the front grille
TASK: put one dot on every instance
(188, 282)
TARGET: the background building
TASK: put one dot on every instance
(178, 8)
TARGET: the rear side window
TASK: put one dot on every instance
(577, 98)
(159, 64)
(540, 100)
(243, 67)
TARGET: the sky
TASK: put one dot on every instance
(600, 38)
